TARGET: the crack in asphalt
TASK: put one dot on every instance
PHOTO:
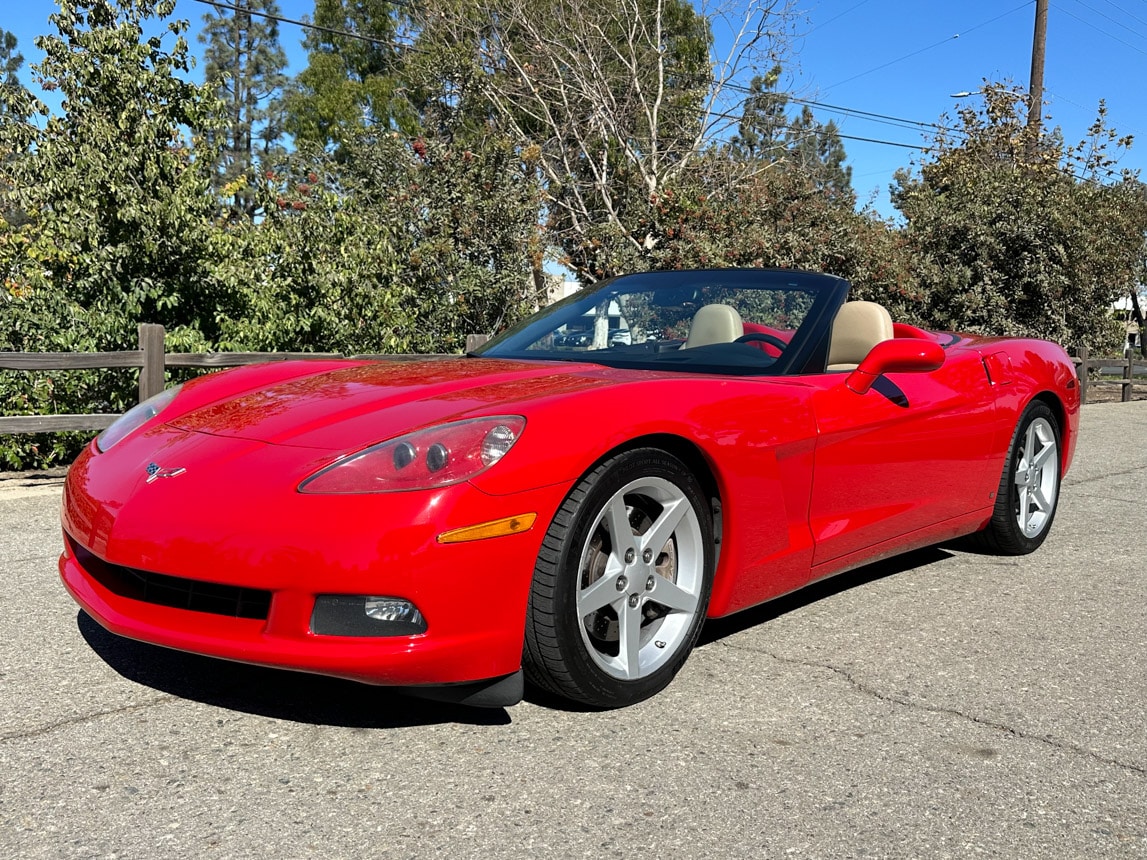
(895, 700)
(84, 718)
(1106, 498)
(1071, 481)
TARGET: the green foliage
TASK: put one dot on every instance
(761, 130)
(766, 134)
(816, 150)
(15, 103)
(783, 219)
(119, 209)
(1014, 233)
(388, 247)
(428, 185)
(351, 85)
(10, 62)
(118, 212)
(245, 63)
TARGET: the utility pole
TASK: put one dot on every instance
(1035, 86)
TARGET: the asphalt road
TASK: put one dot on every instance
(945, 704)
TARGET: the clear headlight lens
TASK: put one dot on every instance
(434, 457)
(135, 418)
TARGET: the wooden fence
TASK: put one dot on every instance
(1130, 367)
(153, 361)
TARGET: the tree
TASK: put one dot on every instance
(613, 101)
(766, 135)
(1016, 233)
(351, 85)
(817, 150)
(245, 62)
(10, 60)
(763, 125)
(15, 104)
(119, 227)
(119, 209)
(782, 218)
(387, 246)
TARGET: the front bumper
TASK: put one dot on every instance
(247, 536)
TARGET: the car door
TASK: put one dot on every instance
(907, 454)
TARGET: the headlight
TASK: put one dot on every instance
(135, 418)
(434, 457)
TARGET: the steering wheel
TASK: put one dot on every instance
(770, 339)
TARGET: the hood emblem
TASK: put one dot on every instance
(154, 472)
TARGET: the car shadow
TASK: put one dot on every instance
(295, 696)
(718, 628)
(319, 700)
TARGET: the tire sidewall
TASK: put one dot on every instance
(600, 687)
(1012, 532)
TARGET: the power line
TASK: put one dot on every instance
(896, 121)
(1125, 12)
(1114, 21)
(834, 17)
(1098, 30)
(930, 47)
(900, 122)
(885, 119)
(821, 131)
(307, 25)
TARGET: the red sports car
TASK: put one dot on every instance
(563, 509)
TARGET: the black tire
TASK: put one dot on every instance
(1024, 512)
(631, 645)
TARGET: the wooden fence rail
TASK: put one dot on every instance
(1130, 367)
(153, 361)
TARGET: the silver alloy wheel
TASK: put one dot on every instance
(642, 571)
(1037, 478)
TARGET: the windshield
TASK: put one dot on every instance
(741, 321)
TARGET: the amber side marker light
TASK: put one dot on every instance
(494, 528)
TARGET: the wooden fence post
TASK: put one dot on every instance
(151, 374)
(1083, 374)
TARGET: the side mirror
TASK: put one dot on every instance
(901, 355)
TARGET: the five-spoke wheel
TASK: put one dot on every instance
(622, 584)
(1029, 486)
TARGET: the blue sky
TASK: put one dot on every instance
(890, 57)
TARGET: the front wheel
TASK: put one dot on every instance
(1029, 488)
(622, 582)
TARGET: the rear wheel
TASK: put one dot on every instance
(622, 582)
(1029, 488)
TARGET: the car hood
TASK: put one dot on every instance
(356, 404)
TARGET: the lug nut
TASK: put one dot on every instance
(630, 555)
(649, 583)
(633, 598)
(621, 583)
(647, 556)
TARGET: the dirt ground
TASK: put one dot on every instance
(1108, 392)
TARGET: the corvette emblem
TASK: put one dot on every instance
(154, 471)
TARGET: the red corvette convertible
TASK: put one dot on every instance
(569, 504)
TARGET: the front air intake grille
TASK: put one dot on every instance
(174, 591)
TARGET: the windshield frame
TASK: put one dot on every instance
(806, 353)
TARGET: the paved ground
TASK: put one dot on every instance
(942, 705)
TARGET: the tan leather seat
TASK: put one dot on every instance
(858, 327)
(714, 324)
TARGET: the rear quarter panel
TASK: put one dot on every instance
(1022, 370)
